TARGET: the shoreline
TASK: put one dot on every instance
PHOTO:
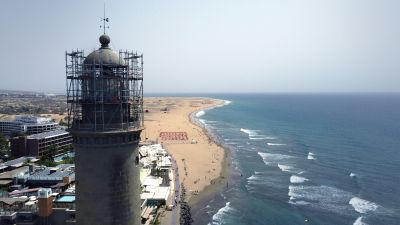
(218, 183)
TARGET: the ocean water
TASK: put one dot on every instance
(307, 159)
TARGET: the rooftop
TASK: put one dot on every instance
(104, 55)
(155, 193)
(11, 201)
(10, 174)
(49, 134)
(32, 119)
(51, 173)
(15, 163)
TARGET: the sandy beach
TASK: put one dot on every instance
(201, 163)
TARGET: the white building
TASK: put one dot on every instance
(27, 124)
(152, 186)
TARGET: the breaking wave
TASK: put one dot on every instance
(269, 158)
(293, 202)
(320, 197)
(251, 133)
(227, 102)
(353, 175)
(362, 206)
(261, 137)
(252, 177)
(359, 221)
(275, 144)
(297, 179)
(200, 113)
(310, 156)
(285, 168)
(218, 218)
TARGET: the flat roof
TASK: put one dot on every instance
(49, 134)
(11, 201)
(13, 173)
(23, 191)
(152, 181)
(17, 161)
(156, 193)
(57, 173)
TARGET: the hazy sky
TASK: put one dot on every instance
(211, 45)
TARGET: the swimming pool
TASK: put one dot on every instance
(66, 198)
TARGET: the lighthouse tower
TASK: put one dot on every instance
(105, 111)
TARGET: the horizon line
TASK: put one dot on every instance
(228, 92)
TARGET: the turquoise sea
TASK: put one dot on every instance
(307, 159)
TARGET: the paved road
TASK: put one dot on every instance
(175, 211)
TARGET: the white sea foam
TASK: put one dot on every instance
(269, 158)
(362, 206)
(218, 218)
(257, 138)
(285, 168)
(359, 221)
(316, 193)
(200, 113)
(310, 156)
(251, 133)
(275, 144)
(293, 202)
(260, 137)
(297, 179)
(253, 177)
(257, 183)
(202, 121)
(227, 102)
(270, 138)
(321, 197)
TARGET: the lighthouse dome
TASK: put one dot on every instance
(104, 55)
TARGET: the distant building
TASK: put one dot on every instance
(38, 145)
(51, 177)
(155, 176)
(27, 124)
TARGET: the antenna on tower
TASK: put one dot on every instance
(104, 19)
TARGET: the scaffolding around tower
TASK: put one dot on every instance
(102, 96)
